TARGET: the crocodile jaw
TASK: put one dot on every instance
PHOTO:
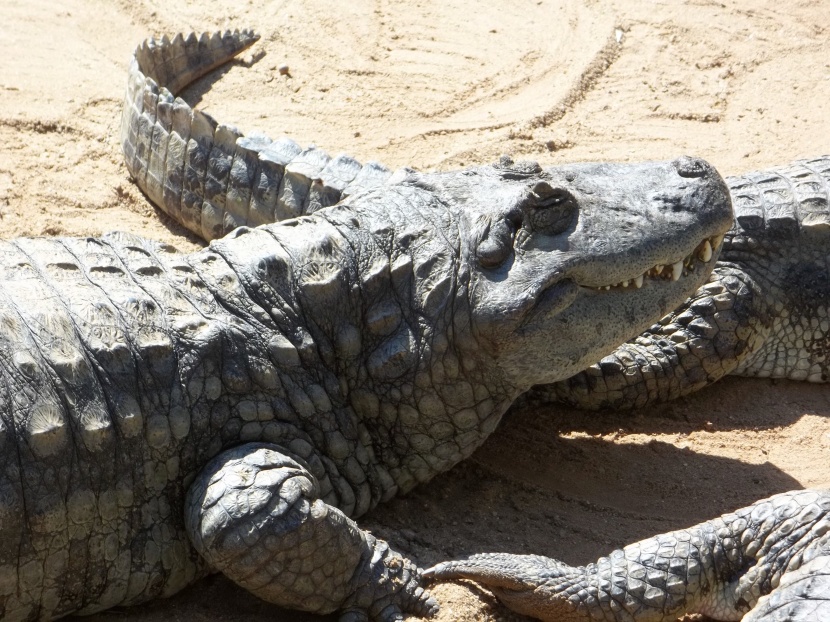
(646, 237)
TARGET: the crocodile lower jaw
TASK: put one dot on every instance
(672, 271)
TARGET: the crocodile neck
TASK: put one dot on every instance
(354, 319)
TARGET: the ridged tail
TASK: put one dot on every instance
(784, 200)
(718, 568)
(209, 177)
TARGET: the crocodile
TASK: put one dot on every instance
(764, 311)
(768, 562)
(168, 415)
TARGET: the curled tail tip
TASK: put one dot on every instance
(243, 37)
(240, 35)
(226, 44)
(175, 63)
(250, 34)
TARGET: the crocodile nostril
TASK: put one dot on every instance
(691, 167)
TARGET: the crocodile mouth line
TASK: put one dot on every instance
(673, 271)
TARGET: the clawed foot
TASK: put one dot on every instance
(255, 515)
(387, 586)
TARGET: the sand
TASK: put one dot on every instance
(438, 85)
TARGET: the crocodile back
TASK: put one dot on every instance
(92, 442)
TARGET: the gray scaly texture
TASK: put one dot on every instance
(803, 594)
(210, 177)
(233, 410)
(764, 312)
(770, 559)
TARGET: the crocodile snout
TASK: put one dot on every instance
(688, 166)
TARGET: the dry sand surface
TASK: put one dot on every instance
(437, 85)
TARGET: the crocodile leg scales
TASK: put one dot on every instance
(719, 568)
(803, 594)
(254, 513)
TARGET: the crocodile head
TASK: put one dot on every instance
(520, 275)
(432, 301)
(568, 262)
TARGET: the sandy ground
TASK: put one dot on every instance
(435, 85)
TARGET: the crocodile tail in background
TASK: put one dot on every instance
(773, 553)
(210, 177)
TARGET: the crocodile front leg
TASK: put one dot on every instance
(255, 515)
(703, 340)
(719, 568)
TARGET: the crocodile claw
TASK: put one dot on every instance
(388, 585)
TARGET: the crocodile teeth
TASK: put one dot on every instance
(677, 270)
(705, 252)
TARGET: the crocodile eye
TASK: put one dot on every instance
(552, 209)
(497, 244)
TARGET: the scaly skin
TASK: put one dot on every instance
(722, 568)
(763, 313)
(802, 594)
(233, 410)
(210, 177)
